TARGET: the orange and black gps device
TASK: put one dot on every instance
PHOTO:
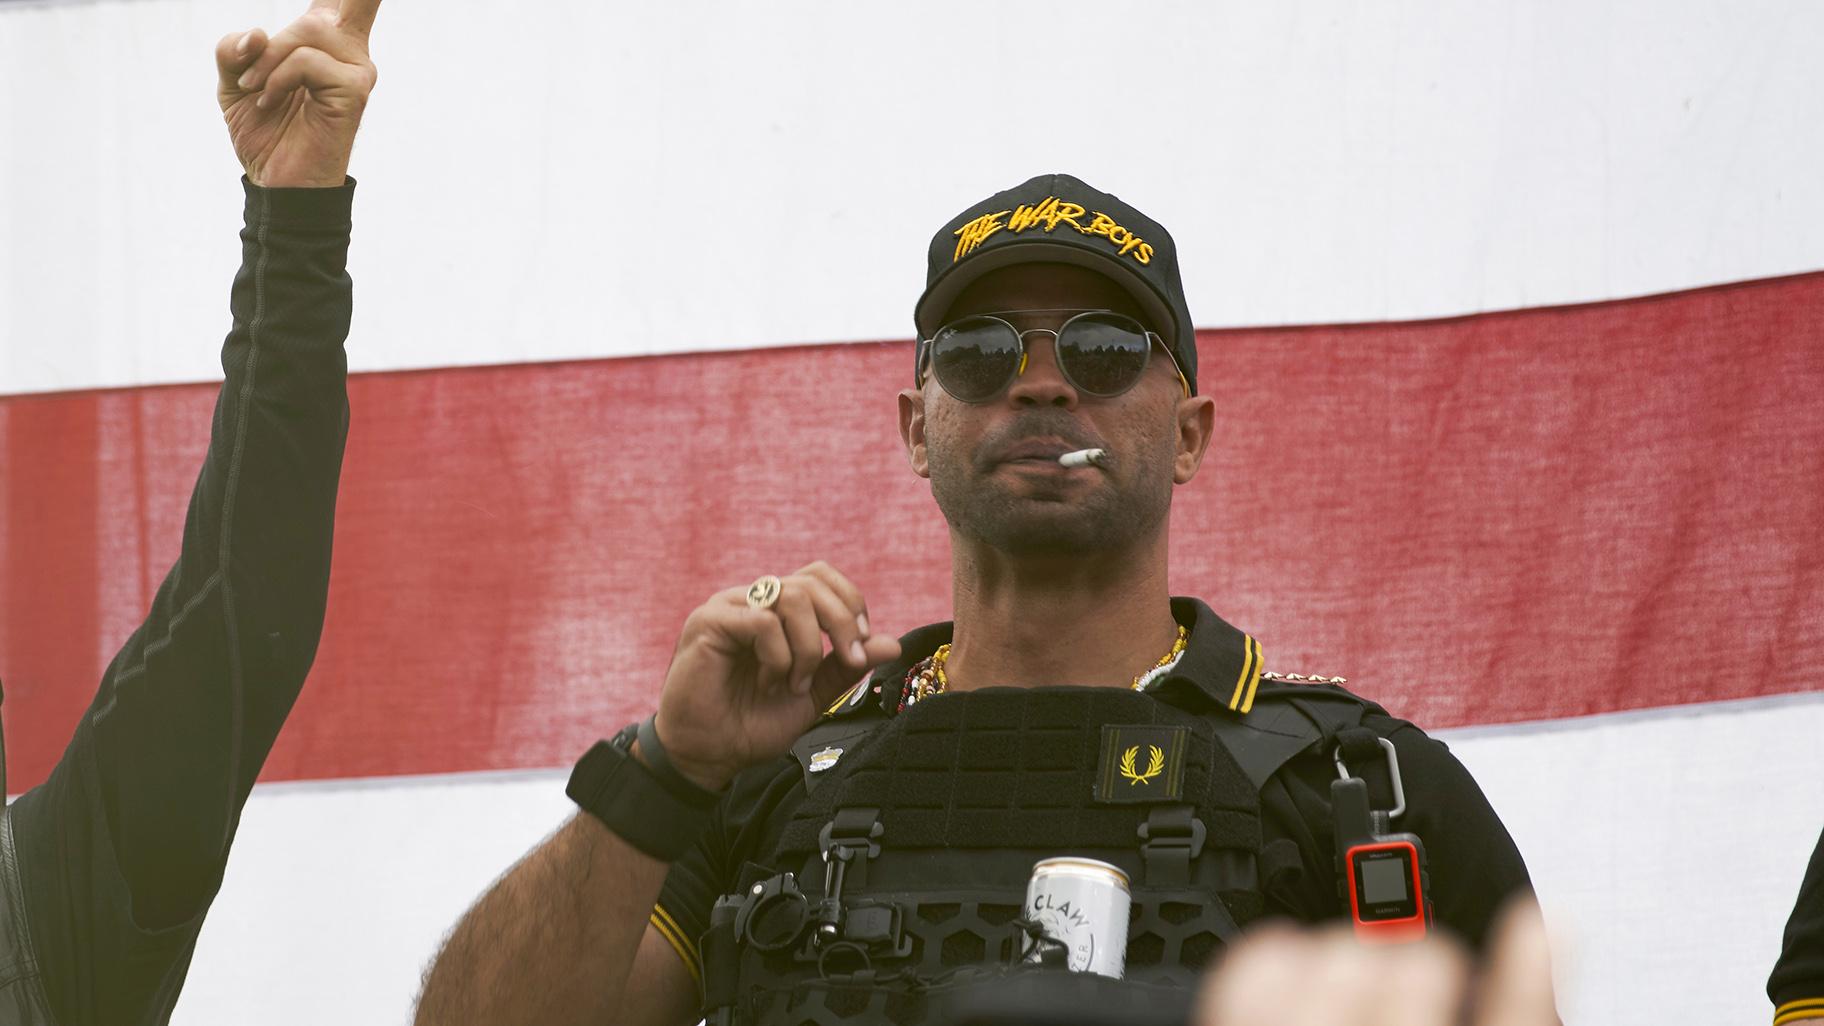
(1382, 873)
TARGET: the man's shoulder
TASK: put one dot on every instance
(1299, 717)
(1334, 699)
(1312, 687)
(851, 717)
(1310, 704)
(758, 778)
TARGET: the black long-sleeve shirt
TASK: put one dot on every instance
(121, 850)
(1797, 982)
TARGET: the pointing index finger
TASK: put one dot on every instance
(359, 14)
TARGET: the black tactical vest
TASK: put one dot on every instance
(22, 999)
(903, 873)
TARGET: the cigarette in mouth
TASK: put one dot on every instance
(1084, 458)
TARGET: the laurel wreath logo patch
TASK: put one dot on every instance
(1141, 763)
(1155, 764)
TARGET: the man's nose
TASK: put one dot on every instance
(1041, 383)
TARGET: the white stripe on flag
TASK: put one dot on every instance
(1346, 163)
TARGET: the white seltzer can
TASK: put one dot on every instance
(1082, 904)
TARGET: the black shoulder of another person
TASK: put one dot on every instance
(1797, 982)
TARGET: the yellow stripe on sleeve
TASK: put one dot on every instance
(1249, 669)
(1795, 1011)
(1247, 703)
(680, 942)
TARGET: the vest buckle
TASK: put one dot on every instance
(1170, 838)
(852, 832)
(848, 840)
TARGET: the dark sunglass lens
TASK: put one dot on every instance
(1103, 354)
(974, 358)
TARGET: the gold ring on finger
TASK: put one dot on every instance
(763, 593)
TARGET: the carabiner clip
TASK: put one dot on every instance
(1393, 774)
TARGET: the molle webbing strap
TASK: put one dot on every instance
(1361, 751)
(721, 957)
(1016, 768)
(1337, 716)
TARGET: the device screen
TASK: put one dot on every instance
(1383, 884)
(1384, 880)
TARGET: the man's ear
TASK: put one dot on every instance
(1196, 424)
(912, 429)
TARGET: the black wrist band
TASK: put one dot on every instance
(659, 818)
(653, 753)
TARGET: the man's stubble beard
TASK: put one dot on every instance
(1130, 510)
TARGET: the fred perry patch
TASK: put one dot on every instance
(1141, 763)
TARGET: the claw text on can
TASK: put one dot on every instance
(1082, 904)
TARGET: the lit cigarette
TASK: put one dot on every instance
(1084, 458)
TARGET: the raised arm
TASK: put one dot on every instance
(122, 849)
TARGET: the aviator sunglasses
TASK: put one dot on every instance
(1100, 352)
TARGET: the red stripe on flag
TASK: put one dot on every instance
(1511, 516)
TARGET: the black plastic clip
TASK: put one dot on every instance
(721, 960)
(848, 840)
(1353, 746)
(1170, 838)
(772, 914)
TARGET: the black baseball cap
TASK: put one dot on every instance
(1058, 219)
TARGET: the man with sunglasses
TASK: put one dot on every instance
(824, 823)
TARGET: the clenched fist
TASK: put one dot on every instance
(1278, 977)
(744, 683)
(294, 101)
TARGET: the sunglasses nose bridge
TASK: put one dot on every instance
(1029, 384)
(1026, 347)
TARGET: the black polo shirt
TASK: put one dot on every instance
(1474, 864)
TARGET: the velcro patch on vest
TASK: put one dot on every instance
(1141, 763)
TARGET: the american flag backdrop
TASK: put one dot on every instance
(1511, 313)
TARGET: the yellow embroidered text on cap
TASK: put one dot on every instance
(1049, 214)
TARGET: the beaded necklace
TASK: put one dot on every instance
(927, 678)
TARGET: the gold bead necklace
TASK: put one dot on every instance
(928, 678)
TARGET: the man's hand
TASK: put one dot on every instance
(744, 683)
(294, 101)
(1282, 977)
